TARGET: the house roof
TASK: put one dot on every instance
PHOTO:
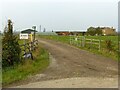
(28, 31)
(69, 30)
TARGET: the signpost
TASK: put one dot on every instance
(28, 34)
(32, 33)
(23, 36)
(34, 27)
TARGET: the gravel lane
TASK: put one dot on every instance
(70, 62)
(74, 83)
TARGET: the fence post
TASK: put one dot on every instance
(91, 43)
(25, 49)
(78, 41)
(99, 45)
(83, 43)
(74, 40)
(70, 39)
(30, 46)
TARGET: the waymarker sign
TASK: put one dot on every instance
(23, 36)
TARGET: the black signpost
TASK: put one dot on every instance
(29, 46)
(34, 28)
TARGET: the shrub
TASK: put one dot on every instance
(10, 49)
(108, 44)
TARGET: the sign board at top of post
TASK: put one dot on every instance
(23, 36)
(32, 32)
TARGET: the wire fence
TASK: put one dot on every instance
(27, 49)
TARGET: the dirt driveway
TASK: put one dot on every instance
(70, 62)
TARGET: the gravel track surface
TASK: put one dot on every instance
(72, 67)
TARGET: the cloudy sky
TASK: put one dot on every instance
(59, 14)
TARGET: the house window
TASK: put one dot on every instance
(103, 30)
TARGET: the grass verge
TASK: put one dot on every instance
(29, 67)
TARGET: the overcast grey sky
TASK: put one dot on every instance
(60, 14)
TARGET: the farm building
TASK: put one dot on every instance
(70, 32)
(30, 33)
(108, 31)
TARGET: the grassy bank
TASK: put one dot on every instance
(104, 52)
(29, 67)
(64, 39)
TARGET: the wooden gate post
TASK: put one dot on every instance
(91, 44)
(99, 45)
(83, 42)
(70, 39)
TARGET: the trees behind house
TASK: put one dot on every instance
(94, 31)
(10, 49)
(91, 31)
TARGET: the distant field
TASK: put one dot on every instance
(104, 37)
(114, 39)
(67, 38)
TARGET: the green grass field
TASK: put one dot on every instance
(113, 38)
(66, 39)
(113, 54)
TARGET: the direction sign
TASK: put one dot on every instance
(23, 36)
